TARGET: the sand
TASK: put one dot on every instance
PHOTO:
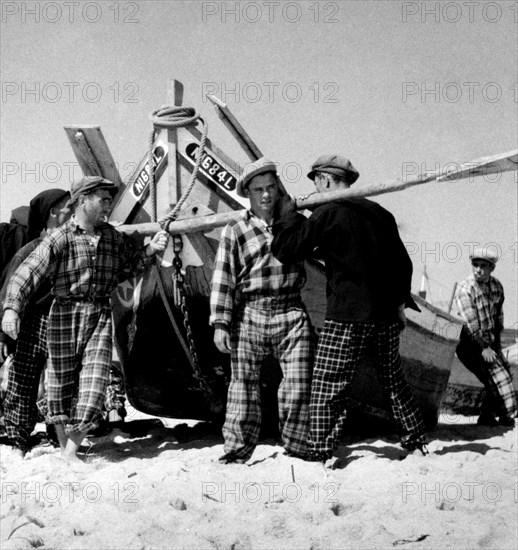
(157, 484)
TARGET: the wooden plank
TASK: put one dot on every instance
(242, 137)
(84, 155)
(175, 93)
(235, 166)
(92, 152)
(128, 207)
(231, 122)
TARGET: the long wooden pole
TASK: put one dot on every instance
(207, 223)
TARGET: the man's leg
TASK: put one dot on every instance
(23, 381)
(95, 339)
(470, 355)
(502, 383)
(403, 405)
(243, 416)
(294, 345)
(62, 367)
(340, 347)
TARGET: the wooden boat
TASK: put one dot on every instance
(153, 345)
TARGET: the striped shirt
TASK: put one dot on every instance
(481, 307)
(245, 269)
(77, 264)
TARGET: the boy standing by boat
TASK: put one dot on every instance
(480, 301)
(257, 310)
(368, 286)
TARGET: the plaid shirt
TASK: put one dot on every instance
(246, 269)
(481, 306)
(78, 265)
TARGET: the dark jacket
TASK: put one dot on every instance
(368, 269)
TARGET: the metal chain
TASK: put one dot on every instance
(180, 298)
(178, 117)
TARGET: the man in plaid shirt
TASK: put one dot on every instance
(480, 301)
(257, 310)
(84, 259)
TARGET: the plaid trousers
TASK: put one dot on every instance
(499, 399)
(29, 359)
(80, 352)
(340, 348)
(282, 329)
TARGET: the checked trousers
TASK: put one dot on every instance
(269, 327)
(499, 399)
(340, 348)
(29, 360)
(80, 353)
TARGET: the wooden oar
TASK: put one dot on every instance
(495, 164)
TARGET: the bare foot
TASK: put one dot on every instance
(18, 453)
(71, 457)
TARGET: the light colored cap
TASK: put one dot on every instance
(484, 253)
(260, 166)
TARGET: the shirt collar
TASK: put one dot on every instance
(250, 215)
(76, 227)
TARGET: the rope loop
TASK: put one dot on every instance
(173, 117)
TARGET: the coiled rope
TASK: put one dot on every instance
(173, 117)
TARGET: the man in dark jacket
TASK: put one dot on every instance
(13, 236)
(368, 286)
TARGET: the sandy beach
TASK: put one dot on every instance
(156, 483)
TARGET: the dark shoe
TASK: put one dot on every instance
(314, 456)
(415, 448)
(103, 429)
(52, 436)
(506, 421)
(487, 420)
(418, 450)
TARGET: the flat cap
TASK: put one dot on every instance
(334, 164)
(260, 166)
(484, 253)
(88, 184)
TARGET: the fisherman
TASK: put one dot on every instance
(85, 259)
(257, 311)
(368, 287)
(13, 236)
(480, 300)
(46, 213)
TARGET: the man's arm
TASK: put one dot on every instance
(499, 321)
(135, 258)
(223, 289)
(468, 311)
(296, 237)
(24, 282)
(403, 282)
(19, 257)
